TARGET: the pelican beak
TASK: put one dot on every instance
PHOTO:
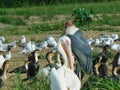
(68, 51)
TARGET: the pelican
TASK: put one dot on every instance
(64, 77)
(80, 48)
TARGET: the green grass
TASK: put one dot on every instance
(11, 20)
(106, 7)
(16, 20)
(96, 83)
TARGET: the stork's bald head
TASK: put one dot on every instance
(70, 28)
(69, 23)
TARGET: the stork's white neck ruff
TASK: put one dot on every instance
(71, 30)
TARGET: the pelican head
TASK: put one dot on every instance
(64, 47)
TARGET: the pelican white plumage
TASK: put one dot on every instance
(64, 77)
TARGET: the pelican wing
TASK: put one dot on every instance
(82, 51)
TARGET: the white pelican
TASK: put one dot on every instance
(64, 77)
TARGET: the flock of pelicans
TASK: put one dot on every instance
(73, 54)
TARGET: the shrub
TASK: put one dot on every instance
(82, 16)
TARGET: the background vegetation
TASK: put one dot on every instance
(21, 3)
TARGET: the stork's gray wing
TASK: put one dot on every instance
(82, 51)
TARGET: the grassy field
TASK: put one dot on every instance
(36, 23)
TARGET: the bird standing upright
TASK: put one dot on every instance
(116, 66)
(99, 63)
(80, 48)
(22, 40)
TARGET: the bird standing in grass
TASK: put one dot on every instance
(80, 48)
(116, 66)
(99, 63)
(22, 40)
(32, 65)
(8, 55)
(64, 78)
(3, 72)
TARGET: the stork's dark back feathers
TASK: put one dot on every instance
(82, 51)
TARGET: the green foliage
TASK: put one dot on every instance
(11, 20)
(110, 20)
(95, 53)
(21, 3)
(96, 83)
(82, 16)
(38, 28)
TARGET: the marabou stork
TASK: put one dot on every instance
(80, 48)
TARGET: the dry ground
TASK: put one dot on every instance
(18, 60)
